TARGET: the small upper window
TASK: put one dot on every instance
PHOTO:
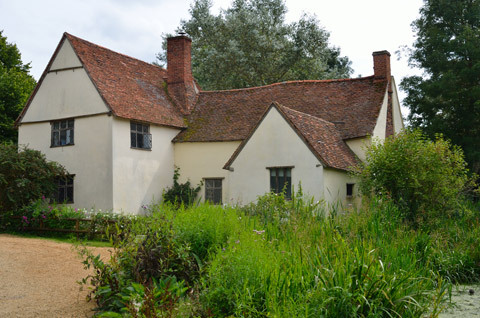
(281, 181)
(350, 190)
(140, 136)
(62, 132)
(64, 189)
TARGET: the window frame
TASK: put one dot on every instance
(56, 132)
(65, 183)
(135, 133)
(287, 175)
(214, 188)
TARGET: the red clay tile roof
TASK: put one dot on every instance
(130, 88)
(321, 136)
(133, 89)
(352, 105)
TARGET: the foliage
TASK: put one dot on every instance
(425, 179)
(446, 99)
(181, 193)
(16, 84)
(284, 258)
(25, 176)
(250, 44)
(53, 216)
(150, 270)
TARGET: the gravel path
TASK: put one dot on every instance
(38, 279)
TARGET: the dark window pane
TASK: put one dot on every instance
(56, 125)
(63, 137)
(56, 138)
(132, 126)
(61, 194)
(70, 123)
(63, 124)
(145, 128)
(69, 194)
(350, 189)
(217, 196)
(273, 184)
(133, 140)
(139, 141)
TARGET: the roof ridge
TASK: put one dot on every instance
(68, 35)
(290, 82)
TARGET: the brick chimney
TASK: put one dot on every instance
(381, 71)
(181, 85)
(381, 65)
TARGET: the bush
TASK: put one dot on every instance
(25, 176)
(180, 193)
(425, 179)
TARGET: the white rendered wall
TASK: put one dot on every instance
(66, 57)
(273, 144)
(139, 176)
(64, 94)
(359, 146)
(381, 125)
(89, 158)
(199, 160)
(397, 113)
(336, 189)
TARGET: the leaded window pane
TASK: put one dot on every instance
(140, 136)
(213, 191)
(62, 133)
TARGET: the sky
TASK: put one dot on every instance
(135, 27)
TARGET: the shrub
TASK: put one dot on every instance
(425, 179)
(25, 176)
(180, 193)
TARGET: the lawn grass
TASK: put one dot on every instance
(71, 238)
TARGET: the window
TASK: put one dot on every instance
(65, 189)
(62, 133)
(350, 190)
(140, 137)
(213, 191)
(281, 180)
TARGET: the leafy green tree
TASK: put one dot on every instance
(446, 99)
(425, 179)
(25, 176)
(16, 85)
(250, 44)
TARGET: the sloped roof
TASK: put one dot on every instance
(352, 105)
(130, 88)
(321, 136)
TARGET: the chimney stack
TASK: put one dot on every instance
(381, 65)
(181, 85)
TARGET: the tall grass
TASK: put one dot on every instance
(281, 258)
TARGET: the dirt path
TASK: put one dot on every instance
(38, 279)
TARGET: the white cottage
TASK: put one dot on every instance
(120, 126)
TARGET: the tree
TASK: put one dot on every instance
(425, 179)
(250, 44)
(446, 99)
(25, 176)
(16, 85)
